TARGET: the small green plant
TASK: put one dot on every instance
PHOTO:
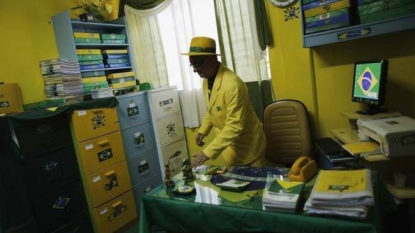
(95, 7)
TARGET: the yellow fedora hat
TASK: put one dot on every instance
(202, 46)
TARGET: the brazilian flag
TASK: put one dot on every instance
(368, 82)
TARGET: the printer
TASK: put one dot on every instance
(395, 135)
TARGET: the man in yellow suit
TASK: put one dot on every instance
(239, 135)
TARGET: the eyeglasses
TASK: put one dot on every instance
(198, 64)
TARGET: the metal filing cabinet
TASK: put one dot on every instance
(52, 179)
(104, 170)
(139, 143)
(168, 123)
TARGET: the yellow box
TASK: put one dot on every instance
(115, 214)
(120, 75)
(88, 51)
(108, 183)
(326, 8)
(92, 123)
(86, 35)
(114, 51)
(94, 79)
(123, 84)
(100, 153)
(10, 98)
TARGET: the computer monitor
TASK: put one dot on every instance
(369, 85)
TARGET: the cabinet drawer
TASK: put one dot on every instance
(51, 170)
(82, 224)
(143, 166)
(116, 213)
(102, 152)
(138, 138)
(145, 187)
(41, 135)
(88, 124)
(170, 129)
(133, 109)
(165, 102)
(108, 183)
(174, 154)
(54, 209)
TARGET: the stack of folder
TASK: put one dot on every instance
(86, 38)
(90, 59)
(116, 58)
(346, 193)
(121, 80)
(62, 79)
(113, 38)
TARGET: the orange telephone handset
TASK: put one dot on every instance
(303, 169)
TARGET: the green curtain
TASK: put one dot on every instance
(138, 4)
(264, 34)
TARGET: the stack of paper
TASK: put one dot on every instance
(62, 78)
(282, 196)
(361, 147)
(342, 193)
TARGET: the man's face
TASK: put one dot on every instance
(200, 65)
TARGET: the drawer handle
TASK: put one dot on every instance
(103, 143)
(115, 205)
(148, 189)
(109, 174)
(96, 111)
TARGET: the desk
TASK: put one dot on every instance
(163, 210)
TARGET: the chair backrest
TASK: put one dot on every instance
(288, 132)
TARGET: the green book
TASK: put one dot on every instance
(282, 195)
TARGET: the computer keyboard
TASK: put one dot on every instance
(329, 146)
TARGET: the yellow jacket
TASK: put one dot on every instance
(239, 135)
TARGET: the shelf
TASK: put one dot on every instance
(359, 31)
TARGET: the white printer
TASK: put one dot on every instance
(395, 135)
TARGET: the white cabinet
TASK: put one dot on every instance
(168, 126)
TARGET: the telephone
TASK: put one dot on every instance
(303, 169)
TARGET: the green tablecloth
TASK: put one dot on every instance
(163, 210)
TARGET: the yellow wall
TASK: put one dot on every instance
(27, 37)
(320, 77)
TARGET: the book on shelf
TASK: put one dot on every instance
(282, 195)
(343, 193)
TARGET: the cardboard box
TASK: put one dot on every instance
(327, 15)
(86, 35)
(120, 75)
(391, 13)
(94, 79)
(88, 51)
(10, 98)
(112, 36)
(326, 8)
(380, 6)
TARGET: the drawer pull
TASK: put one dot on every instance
(103, 143)
(96, 111)
(116, 204)
(111, 173)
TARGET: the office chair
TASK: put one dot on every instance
(288, 132)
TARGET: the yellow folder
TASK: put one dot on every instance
(361, 147)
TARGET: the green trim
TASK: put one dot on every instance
(201, 49)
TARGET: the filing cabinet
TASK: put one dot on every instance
(139, 143)
(103, 166)
(48, 177)
(168, 123)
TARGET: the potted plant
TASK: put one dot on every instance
(94, 9)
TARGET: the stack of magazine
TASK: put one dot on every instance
(346, 193)
(282, 196)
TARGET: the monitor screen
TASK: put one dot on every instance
(369, 85)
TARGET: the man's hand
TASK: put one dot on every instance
(199, 159)
(199, 139)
